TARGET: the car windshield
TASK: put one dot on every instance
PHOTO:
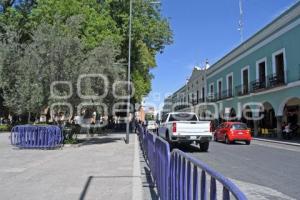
(183, 117)
(239, 127)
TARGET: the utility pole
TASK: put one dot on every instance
(129, 67)
(128, 73)
(241, 20)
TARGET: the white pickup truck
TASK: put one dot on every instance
(185, 128)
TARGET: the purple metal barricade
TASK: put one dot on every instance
(189, 180)
(162, 168)
(179, 176)
(151, 152)
(30, 136)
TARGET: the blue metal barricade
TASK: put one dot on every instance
(189, 180)
(162, 168)
(151, 152)
(30, 136)
(179, 176)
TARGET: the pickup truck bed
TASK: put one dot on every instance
(179, 131)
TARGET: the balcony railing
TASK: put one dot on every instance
(227, 94)
(258, 85)
(272, 80)
(180, 107)
(242, 90)
(211, 98)
(275, 80)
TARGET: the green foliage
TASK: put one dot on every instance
(94, 27)
(150, 34)
(48, 40)
(4, 128)
(149, 117)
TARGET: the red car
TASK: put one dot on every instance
(232, 131)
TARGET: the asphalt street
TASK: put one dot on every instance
(262, 170)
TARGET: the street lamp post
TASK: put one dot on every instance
(129, 67)
(128, 72)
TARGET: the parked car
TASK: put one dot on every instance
(185, 128)
(233, 131)
(152, 126)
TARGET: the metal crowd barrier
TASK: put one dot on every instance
(177, 174)
(150, 146)
(162, 168)
(30, 136)
(187, 184)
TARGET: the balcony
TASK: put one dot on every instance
(271, 81)
(258, 85)
(226, 94)
(180, 107)
(242, 90)
(211, 98)
(275, 80)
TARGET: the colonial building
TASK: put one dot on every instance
(258, 82)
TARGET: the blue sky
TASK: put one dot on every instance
(205, 29)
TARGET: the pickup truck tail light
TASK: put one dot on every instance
(210, 127)
(174, 129)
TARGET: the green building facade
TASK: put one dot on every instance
(259, 81)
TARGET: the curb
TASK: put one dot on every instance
(277, 142)
(72, 145)
(137, 187)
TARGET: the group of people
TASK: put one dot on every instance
(289, 130)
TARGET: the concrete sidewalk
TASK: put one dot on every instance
(278, 141)
(102, 168)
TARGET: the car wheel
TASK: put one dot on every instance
(247, 142)
(227, 141)
(168, 140)
(204, 146)
(215, 138)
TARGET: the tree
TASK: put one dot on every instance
(48, 40)
(96, 25)
(53, 55)
(151, 33)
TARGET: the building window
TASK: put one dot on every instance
(220, 89)
(203, 94)
(230, 85)
(279, 68)
(211, 90)
(261, 73)
(245, 80)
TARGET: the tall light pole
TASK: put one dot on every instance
(241, 21)
(128, 72)
(129, 67)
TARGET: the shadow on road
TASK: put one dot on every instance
(96, 141)
(187, 148)
(233, 143)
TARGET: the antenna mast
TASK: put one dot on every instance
(241, 21)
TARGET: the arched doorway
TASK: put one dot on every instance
(203, 116)
(247, 117)
(291, 114)
(230, 114)
(268, 123)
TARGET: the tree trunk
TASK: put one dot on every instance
(29, 117)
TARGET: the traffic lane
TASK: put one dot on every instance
(273, 166)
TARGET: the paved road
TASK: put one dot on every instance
(262, 170)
